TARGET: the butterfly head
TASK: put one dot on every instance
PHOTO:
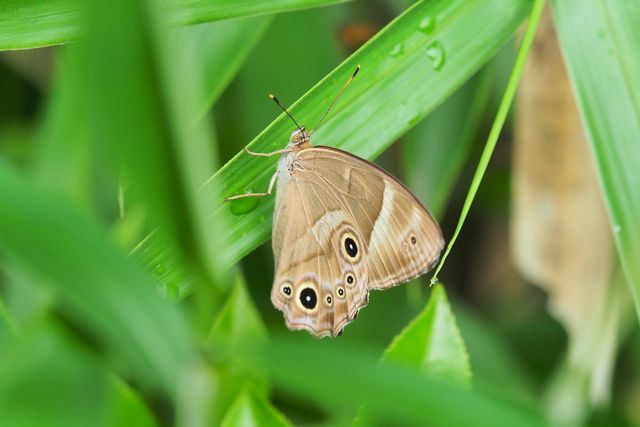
(299, 137)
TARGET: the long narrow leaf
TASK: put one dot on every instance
(26, 24)
(105, 291)
(600, 41)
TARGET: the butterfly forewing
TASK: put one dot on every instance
(402, 239)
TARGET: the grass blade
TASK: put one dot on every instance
(196, 11)
(501, 116)
(411, 66)
(212, 54)
(105, 292)
(600, 44)
(29, 24)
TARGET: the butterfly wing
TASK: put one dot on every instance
(342, 226)
(403, 240)
(315, 282)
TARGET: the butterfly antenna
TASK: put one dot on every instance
(285, 110)
(336, 99)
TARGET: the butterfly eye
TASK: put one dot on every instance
(286, 290)
(340, 292)
(308, 298)
(329, 300)
(349, 247)
(413, 240)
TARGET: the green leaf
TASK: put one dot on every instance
(48, 380)
(128, 407)
(37, 23)
(212, 54)
(64, 135)
(496, 128)
(600, 42)
(103, 289)
(239, 319)
(342, 377)
(134, 116)
(432, 343)
(251, 408)
(410, 67)
(238, 322)
(195, 11)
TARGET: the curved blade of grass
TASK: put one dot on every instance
(600, 42)
(212, 54)
(143, 115)
(208, 63)
(29, 24)
(104, 290)
(410, 67)
(196, 11)
(501, 116)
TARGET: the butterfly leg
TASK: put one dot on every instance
(268, 192)
(273, 153)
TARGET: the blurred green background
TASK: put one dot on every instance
(130, 294)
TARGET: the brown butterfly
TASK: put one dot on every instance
(342, 226)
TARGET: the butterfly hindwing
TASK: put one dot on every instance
(342, 226)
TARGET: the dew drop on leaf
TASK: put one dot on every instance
(159, 269)
(397, 50)
(427, 25)
(243, 206)
(435, 52)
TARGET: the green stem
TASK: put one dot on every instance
(501, 116)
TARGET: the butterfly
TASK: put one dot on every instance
(341, 227)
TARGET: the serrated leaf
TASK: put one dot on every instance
(432, 342)
(252, 409)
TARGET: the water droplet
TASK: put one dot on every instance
(435, 52)
(616, 228)
(159, 269)
(427, 25)
(397, 50)
(244, 205)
